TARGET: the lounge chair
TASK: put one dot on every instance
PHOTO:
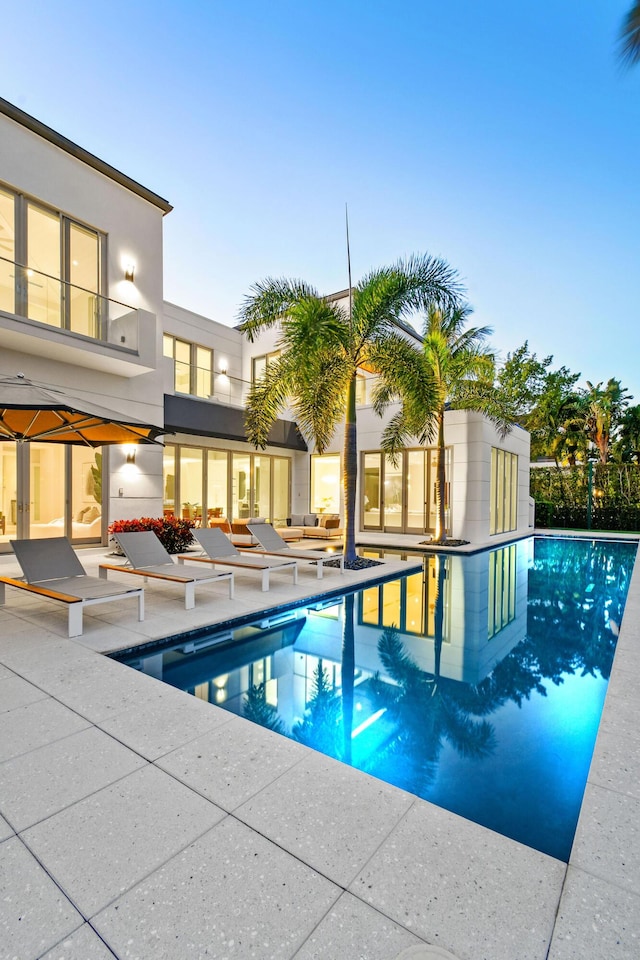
(52, 570)
(219, 549)
(149, 559)
(271, 543)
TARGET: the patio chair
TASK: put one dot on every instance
(149, 559)
(219, 550)
(271, 543)
(52, 570)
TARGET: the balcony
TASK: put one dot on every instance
(46, 316)
(200, 402)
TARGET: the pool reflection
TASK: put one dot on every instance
(477, 683)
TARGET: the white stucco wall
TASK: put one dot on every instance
(31, 165)
(44, 172)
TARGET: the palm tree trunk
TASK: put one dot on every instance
(348, 674)
(439, 616)
(441, 480)
(350, 473)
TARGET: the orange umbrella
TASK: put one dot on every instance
(29, 411)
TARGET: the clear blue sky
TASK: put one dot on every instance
(501, 136)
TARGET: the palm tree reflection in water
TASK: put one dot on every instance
(576, 596)
(427, 709)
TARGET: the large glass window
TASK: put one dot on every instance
(8, 490)
(241, 487)
(217, 462)
(402, 497)
(84, 280)
(204, 372)
(169, 479)
(50, 266)
(192, 366)
(281, 490)
(202, 484)
(43, 266)
(503, 516)
(261, 487)
(7, 252)
(191, 483)
(86, 492)
(325, 483)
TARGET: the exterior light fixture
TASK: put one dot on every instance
(129, 450)
(129, 271)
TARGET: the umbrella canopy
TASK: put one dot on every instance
(29, 411)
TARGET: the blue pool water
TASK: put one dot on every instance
(477, 683)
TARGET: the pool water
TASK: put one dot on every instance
(476, 684)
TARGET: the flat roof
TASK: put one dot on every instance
(47, 133)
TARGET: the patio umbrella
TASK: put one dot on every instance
(29, 411)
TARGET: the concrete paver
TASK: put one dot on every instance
(429, 881)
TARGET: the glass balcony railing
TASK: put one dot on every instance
(29, 293)
(204, 383)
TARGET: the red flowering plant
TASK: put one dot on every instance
(173, 533)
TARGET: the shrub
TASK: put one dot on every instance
(174, 534)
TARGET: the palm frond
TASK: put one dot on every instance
(267, 399)
(432, 280)
(319, 396)
(268, 301)
(629, 40)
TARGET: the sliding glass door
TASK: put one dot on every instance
(401, 497)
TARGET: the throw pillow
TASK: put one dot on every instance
(310, 520)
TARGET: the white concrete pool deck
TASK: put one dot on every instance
(137, 821)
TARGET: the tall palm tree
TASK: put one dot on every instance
(630, 36)
(605, 408)
(323, 347)
(460, 366)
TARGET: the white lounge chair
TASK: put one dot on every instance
(52, 570)
(271, 543)
(219, 550)
(149, 559)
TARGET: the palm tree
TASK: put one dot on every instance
(457, 361)
(630, 37)
(323, 347)
(605, 407)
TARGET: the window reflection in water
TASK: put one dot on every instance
(491, 711)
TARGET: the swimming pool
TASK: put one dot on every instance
(476, 684)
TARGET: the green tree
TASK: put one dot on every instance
(630, 37)
(627, 446)
(323, 347)
(454, 358)
(539, 399)
(605, 408)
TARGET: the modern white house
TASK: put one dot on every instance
(82, 309)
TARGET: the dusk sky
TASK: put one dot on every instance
(504, 137)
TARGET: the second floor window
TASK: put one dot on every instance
(50, 266)
(259, 364)
(192, 366)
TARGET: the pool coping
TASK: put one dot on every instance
(422, 875)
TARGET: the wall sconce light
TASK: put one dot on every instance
(223, 367)
(130, 452)
(129, 271)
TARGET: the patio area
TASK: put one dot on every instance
(139, 822)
